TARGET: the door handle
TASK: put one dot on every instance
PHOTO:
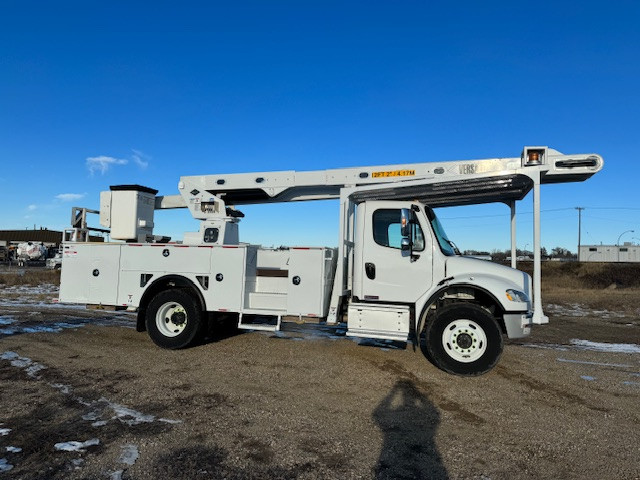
(370, 270)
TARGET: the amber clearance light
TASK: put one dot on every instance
(533, 156)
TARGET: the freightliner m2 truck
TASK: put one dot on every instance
(394, 275)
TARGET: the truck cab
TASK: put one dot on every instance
(402, 256)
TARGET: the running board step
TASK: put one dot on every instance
(266, 321)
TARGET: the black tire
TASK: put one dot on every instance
(464, 339)
(174, 319)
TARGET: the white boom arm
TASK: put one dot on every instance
(509, 179)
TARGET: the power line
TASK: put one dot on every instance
(542, 211)
(504, 214)
(613, 208)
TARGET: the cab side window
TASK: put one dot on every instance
(386, 230)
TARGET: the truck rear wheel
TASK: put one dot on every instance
(174, 319)
(464, 339)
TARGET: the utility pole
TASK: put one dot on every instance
(579, 228)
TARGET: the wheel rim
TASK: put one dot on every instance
(171, 319)
(464, 341)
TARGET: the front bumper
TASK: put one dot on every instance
(518, 325)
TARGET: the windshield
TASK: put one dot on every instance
(445, 244)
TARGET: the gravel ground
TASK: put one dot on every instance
(310, 403)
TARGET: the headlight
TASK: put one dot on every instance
(517, 296)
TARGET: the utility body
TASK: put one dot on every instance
(394, 275)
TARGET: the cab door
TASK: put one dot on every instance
(385, 271)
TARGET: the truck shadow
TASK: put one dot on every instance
(219, 331)
(408, 421)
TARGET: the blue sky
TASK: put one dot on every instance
(94, 94)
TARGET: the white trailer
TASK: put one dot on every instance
(395, 274)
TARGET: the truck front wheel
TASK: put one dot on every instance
(464, 339)
(174, 319)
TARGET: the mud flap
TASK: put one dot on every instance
(140, 321)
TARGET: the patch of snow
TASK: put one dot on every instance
(44, 288)
(13, 449)
(74, 446)
(580, 310)
(606, 347)
(168, 420)
(23, 362)
(5, 466)
(125, 320)
(57, 327)
(572, 310)
(128, 415)
(618, 365)
(40, 329)
(117, 475)
(6, 320)
(129, 454)
(124, 414)
(66, 389)
(546, 346)
(35, 368)
(30, 302)
(91, 416)
(4, 432)
(631, 383)
(308, 332)
(588, 378)
(52, 328)
(607, 314)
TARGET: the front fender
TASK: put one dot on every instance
(492, 286)
(497, 287)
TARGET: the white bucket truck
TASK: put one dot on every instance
(395, 274)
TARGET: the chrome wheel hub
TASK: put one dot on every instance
(464, 340)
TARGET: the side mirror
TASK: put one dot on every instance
(405, 223)
(405, 245)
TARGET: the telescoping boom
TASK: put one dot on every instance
(394, 275)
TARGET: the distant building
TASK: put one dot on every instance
(610, 253)
(49, 238)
